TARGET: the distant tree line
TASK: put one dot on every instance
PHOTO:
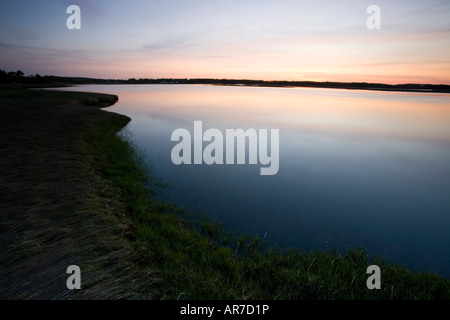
(20, 78)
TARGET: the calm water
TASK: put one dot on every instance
(357, 168)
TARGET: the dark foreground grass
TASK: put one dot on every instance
(89, 202)
(56, 209)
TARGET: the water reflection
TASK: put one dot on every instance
(357, 168)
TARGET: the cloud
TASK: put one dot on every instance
(16, 48)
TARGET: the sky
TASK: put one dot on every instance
(235, 39)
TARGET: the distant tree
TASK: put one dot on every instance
(3, 76)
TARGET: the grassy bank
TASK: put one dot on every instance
(73, 192)
(56, 209)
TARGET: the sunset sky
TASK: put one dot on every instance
(251, 39)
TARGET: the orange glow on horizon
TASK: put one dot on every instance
(307, 68)
(259, 40)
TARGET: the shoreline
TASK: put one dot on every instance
(75, 193)
(56, 81)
